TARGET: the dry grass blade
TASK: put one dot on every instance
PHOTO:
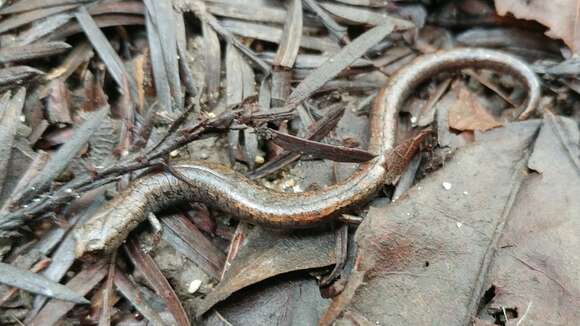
(130, 291)
(28, 17)
(10, 110)
(239, 78)
(65, 154)
(189, 81)
(82, 53)
(365, 3)
(125, 7)
(82, 283)
(320, 150)
(212, 64)
(290, 42)
(274, 35)
(105, 317)
(35, 283)
(39, 266)
(339, 31)
(359, 15)
(162, 88)
(32, 171)
(41, 29)
(250, 141)
(247, 11)
(63, 257)
(102, 21)
(30, 5)
(111, 59)
(58, 106)
(32, 51)
(17, 74)
(146, 265)
(199, 9)
(161, 31)
(338, 63)
(186, 238)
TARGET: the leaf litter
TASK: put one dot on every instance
(96, 94)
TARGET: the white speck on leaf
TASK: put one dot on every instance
(194, 286)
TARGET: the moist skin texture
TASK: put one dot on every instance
(221, 187)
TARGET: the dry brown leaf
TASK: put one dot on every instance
(267, 254)
(560, 16)
(491, 236)
(467, 113)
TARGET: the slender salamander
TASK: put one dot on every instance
(227, 190)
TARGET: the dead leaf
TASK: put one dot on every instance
(286, 300)
(161, 31)
(10, 110)
(535, 272)
(333, 66)
(435, 243)
(267, 254)
(146, 265)
(467, 113)
(32, 51)
(473, 226)
(290, 42)
(103, 47)
(132, 293)
(17, 74)
(65, 154)
(304, 146)
(187, 239)
(560, 16)
(82, 283)
(35, 283)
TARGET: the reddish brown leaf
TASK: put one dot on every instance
(468, 114)
(560, 16)
(318, 149)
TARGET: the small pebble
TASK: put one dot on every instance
(174, 153)
(194, 286)
(259, 159)
(446, 185)
(465, 193)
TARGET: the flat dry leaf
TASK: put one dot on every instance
(266, 254)
(284, 300)
(492, 234)
(560, 16)
(467, 113)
